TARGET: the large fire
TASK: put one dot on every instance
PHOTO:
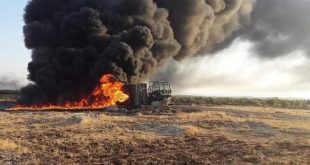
(107, 94)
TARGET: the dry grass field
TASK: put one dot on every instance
(192, 135)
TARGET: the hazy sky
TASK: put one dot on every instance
(234, 71)
(13, 54)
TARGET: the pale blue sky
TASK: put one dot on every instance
(13, 54)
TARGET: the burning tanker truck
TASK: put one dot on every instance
(158, 91)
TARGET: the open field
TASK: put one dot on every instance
(191, 135)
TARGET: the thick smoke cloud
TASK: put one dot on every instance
(279, 27)
(201, 25)
(75, 42)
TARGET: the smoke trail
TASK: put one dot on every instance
(75, 42)
(201, 25)
(279, 27)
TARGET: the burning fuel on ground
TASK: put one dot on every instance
(108, 93)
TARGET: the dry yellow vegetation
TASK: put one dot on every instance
(7, 145)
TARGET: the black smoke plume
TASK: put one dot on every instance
(279, 27)
(75, 42)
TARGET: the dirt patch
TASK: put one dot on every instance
(170, 131)
(159, 129)
(76, 119)
(260, 129)
(296, 131)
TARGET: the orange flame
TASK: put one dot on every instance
(107, 94)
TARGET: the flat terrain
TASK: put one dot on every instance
(191, 135)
